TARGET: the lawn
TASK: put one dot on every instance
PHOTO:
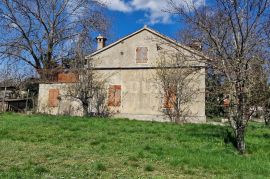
(39, 146)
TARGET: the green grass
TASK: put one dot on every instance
(53, 147)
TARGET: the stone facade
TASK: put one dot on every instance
(64, 106)
(140, 96)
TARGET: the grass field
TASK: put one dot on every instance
(54, 147)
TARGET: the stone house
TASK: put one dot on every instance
(131, 64)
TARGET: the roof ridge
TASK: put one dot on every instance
(152, 31)
(116, 42)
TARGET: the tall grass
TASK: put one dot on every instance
(55, 146)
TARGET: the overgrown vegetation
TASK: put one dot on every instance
(37, 32)
(235, 38)
(178, 78)
(54, 146)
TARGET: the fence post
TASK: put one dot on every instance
(26, 105)
(3, 100)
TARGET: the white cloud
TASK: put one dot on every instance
(189, 4)
(118, 5)
(153, 9)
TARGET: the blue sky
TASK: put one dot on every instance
(128, 16)
(126, 23)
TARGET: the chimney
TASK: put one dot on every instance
(196, 45)
(101, 42)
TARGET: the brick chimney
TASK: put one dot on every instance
(101, 42)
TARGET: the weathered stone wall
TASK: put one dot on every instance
(123, 54)
(141, 97)
(66, 106)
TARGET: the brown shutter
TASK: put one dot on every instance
(169, 97)
(226, 102)
(111, 96)
(114, 98)
(117, 95)
(53, 97)
(141, 54)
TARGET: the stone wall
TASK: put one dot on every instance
(66, 105)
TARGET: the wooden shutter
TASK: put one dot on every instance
(226, 102)
(169, 97)
(53, 97)
(141, 55)
(114, 98)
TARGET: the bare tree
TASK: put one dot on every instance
(15, 74)
(43, 32)
(89, 89)
(177, 77)
(233, 34)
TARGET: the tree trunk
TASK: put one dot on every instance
(85, 109)
(266, 116)
(241, 111)
(240, 139)
(267, 121)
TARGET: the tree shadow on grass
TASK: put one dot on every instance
(218, 132)
(205, 132)
(229, 138)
